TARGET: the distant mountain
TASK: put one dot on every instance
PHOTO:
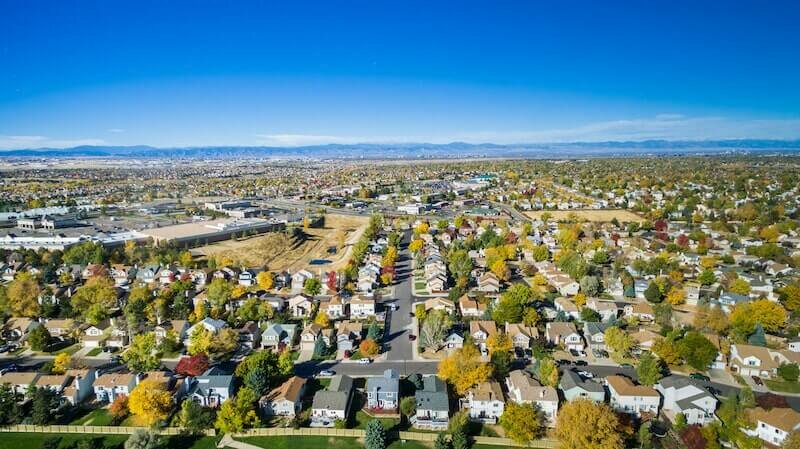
(421, 150)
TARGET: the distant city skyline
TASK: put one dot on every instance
(203, 73)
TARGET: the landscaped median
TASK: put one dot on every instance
(349, 438)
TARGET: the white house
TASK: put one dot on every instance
(285, 400)
(560, 333)
(210, 389)
(628, 397)
(300, 306)
(484, 403)
(773, 426)
(361, 307)
(332, 403)
(681, 395)
(109, 386)
(523, 389)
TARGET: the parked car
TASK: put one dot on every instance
(586, 374)
(365, 361)
(412, 337)
(626, 365)
(4, 348)
(700, 376)
(758, 381)
(327, 372)
(581, 363)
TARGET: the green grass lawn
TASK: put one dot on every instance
(420, 285)
(98, 417)
(71, 349)
(35, 440)
(305, 442)
(783, 386)
(739, 379)
(361, 420)
(94, 352)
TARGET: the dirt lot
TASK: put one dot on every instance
(280, 251)
(597, 215)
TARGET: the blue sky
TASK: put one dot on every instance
(177, 73)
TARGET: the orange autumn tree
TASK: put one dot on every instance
(150, 402)
(464, 369)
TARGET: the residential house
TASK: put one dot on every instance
(278, 335)
(489, 283)
(574, 387)
(299, 279)
(249, 335)
(606, 309)
(148, 274)
(454, 340)
(773, 426)
(567, 307)
(348, 335)
(332, 403)
(523, 389)
(95, 335)
(60, 327)
(628, 397)
(300, 306)
(439, 303)
(17, 329)
(564, 334)
(209, 324)
(361, 307)
(642, 311)
(383, 392)
(595, 335)
(469, 307)
(521, 335)
(682, 395)
(81, 385)
(749, 360)
(180, 329)
(334, 308)
(644, 340)
(19, 382)
(210, 389)
(284, 400)
(107, 387)
(309, 336)
(481, 330)
(485, 402)
(433, 405)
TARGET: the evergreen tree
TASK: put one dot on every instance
(375, 435)
(759, 338)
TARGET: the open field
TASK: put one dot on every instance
(596, 215)
(280, 251)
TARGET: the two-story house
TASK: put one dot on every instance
(627, 397)
(682, 395)
(564, 334)
(523, 389)
(284, 400)
(383, 393)
(485, 402)
(433, 405)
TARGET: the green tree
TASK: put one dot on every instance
(645, 437)
(441, 442)
(95, 299)
(375, 435)
(238, 413)
(460, 439)
(312, 286)
(143, 353)
(652, 293)
(512, 304)
(649, 369)
(39, 338)
(219, 292)
(789, 371)
(192, 417)
(143, 439)
(697, 350)
(43, 401)
(408, 406)
(707, 277)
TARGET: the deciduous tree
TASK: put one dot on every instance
(464, 369)
(584, 424)
(150, 401)
(521, 422)
(23, 295)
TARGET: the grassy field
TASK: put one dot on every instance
(35, 440)
(596, 215)
(782, 386)
(279, 251)
(99, 417)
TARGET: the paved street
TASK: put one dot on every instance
(395, 339)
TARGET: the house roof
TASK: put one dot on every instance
(487, 326)
(23, 378)
(433, 395)
(530, 389)
(625, 387)
(785, 419)
(487, 391)
(561, 328)
(109, 380)
(390, 381)
(336, 396)
(513, 329)
(290, 390)
(571, 379)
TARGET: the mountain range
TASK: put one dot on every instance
(422, 150)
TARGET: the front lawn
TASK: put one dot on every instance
(783, 386)
(94, 352)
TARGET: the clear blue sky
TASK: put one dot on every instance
(172, 73)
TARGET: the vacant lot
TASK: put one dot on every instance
(281, 251)
(597, 215)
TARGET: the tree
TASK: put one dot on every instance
(322, 319)
(441, 442)
(369, 347)
(618, 340)
(23, 296)
(119, 408)
(500, 269)
(531, 317)
(61, 363)
(789, 372)
(193, 365)
(584, 424)
(590, 285)
(589, 315)
(238, 413)
(375, 435)
(265, 280)
(408, 405)
(648, 369)
(790, 296)
(758, 338)
(39, 338)
(95, 298)
(680, 422)
(143, 353)
(10, 410)
(676, 296)
(464, 369)
(286, 363)
(792, 441)
(219, 292)
(260, 371)
(150, 401)
(645, 437)
(416, 245)
(746, 398)
(192, 417)
(667, 351)
(740, 287)
(312, 286)
(460, 439)
(43, 400)
(143, 439)
(433, 330)
(499, 343)
(706, 277)
(771, 315)
(652, 293)
(548, 372)
(512, 304)
(521, 422)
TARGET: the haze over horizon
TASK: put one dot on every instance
(228, 74)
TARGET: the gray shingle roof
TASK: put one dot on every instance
(433, 395)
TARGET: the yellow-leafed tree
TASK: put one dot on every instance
(584, 424)
(464, 369)
(150, 402)
(265, 280)
(61, 363)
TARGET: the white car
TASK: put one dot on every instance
(326, 372)
(586, 374)
(364, 361)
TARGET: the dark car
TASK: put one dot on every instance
(412, 337)
(581, 363)
(758, 381)
(700, 376)
(626, 365)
